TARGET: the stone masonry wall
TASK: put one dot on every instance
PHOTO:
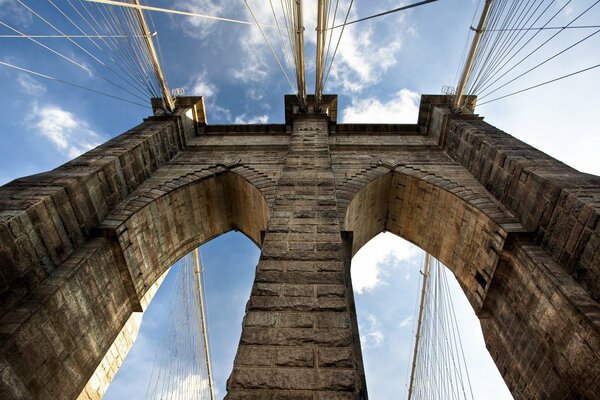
(541, 327)
(560, 205)
(80, 247)
(298, 340)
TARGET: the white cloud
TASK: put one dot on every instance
(71, 136)
(403, 108)
(221, 114)
(256, 61)
(364, 53)
(13, 13)
(368, 264)
(256, 93)
(360, 62)
(196, 27)
(253, 67)
(406, 321)
(245, 120)
(372, 335)
(201, 86)
(30, 85)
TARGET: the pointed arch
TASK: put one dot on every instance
(85, 303)
(456, 221)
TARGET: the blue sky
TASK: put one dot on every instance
(381, 69)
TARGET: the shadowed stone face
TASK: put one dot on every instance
(83, 247)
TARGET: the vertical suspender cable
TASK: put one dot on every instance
(419, 322)
(458, 98)
(203, 320)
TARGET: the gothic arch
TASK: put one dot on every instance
(153, 233)
(87, 303)
(450, 221)
(524, 299)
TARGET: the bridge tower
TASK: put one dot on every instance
(84, 245)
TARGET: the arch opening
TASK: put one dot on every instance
(387, 279)
(229, 262)
(153, 233)
(451, 228)
(434, 214)
(159, 232)
(514, 286)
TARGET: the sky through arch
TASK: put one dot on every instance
(386, 280)
(229, 262)
(386, 275)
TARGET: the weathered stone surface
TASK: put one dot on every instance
(336, 358)
(295, 357)
(84, 246)
(252, 355)
(292, 378)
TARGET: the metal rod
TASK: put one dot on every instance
(169, 103)
(169, 11)
(204, 331)
(321, 32)
(299, 52)
(458, 98)
(419, 323)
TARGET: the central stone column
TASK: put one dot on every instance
(299, 337)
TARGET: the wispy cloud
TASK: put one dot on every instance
(364, 53)
(368, 265)
(372, 336)
(202, 86)
(361, 62)
(406, 321)
(13, 13)
(401, 108)
(195, 384)
(254, 64)
(70, 135)
(30, 85)
(195, 27)
(244, 119)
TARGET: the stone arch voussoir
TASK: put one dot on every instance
(85, 310)
(452, 217)
(538, 323)
(161, 222)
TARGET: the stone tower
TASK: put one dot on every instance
(83, 247)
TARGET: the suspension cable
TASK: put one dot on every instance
(338, 42)
(395, 10)
(542, 84)
(439, 369)
(181, 367)
(71, 60)
(269, 44)
(170, 11)
(69, 83)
